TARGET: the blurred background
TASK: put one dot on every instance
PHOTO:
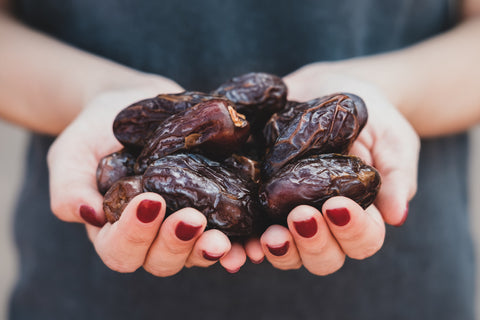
(12, 151)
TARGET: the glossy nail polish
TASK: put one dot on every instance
(339, 216)
(279, 250)
(307, 228)
(185, 231)
(148, 210)
(88, 214)
(210, 256)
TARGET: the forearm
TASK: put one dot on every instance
(435, 84)
(44, 83)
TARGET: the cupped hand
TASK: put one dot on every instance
(142, 237)
(320, 241)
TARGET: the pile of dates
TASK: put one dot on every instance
(242, 154)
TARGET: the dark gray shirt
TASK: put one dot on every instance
(425, 270)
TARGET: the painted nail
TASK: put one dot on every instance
(88, 214)
(257, 261)
(185, 231)
(279, 250)
(148, 210)
(404, 218)
(306, 228)
(339, 216)
(210, 256)
(233, 270)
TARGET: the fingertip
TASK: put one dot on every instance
(144, 209)
(90, 216)
(234, 259)
(302, 212)
(253, 249)
(393, 207)
(303, 221)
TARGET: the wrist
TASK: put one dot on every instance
(129, 80)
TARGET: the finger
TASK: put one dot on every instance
(359, 233)
(318, 249)
(397, 164)
(234, 259)
(209, 248)
(174, 242)
(279, 248)
(253, 249)
(124, 244)
(73, 191)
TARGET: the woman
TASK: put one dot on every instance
(57, 88)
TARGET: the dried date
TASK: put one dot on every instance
(315, 179)
(278, 121)
(113, 167)
(213, 128)
(243, 166)
(257, 95)
(189, 180)
(134, 124)
(119, 195)
(324, 125)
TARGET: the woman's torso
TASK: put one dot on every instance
(425, 269)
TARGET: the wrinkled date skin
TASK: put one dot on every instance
(278, 121)
(213, 128)
(257, 95)
(188, 180)
(244, 167)
(134, 124)
(113, 167)
(315, 179)
(119, 195)
(324, 125)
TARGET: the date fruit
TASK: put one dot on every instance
(315, 179)
(257, 95)
(190, 180)
(113, 167)
(324, 125)
(244, 167)
(213, 128)
(134, 124)
(119, 195)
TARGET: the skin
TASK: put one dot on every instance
(80, 95)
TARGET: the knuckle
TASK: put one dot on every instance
(326, 268)
(174, 247)
(59, 210)
(366, 251)
(119, 265)
(351, 235)
(316, 248)
(138, 239)
(159, 271)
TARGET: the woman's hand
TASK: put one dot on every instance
(142, 236)
(321, 240)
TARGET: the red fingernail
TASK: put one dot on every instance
(306, 228)
(404, 218)
(148, 210)
(339, 216)
(210, 256)
(233, 270)
(279, 250)
(257, 261)
(185, 231)
(88, 214)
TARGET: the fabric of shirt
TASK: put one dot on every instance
(425, 270)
